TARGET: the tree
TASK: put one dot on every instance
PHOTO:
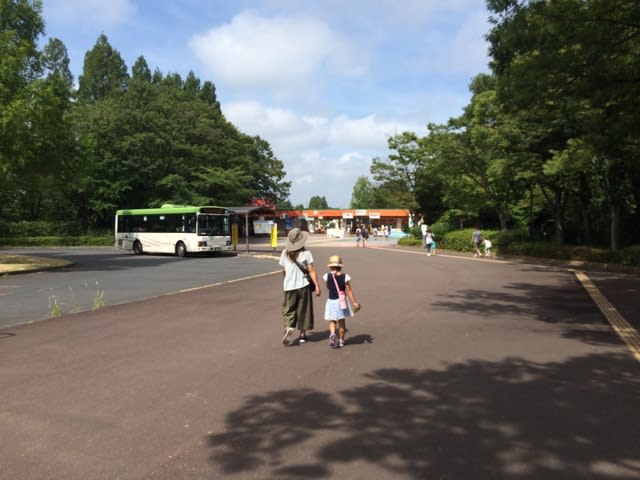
(363, 195)
(104, 72)
(20, 26)
(36, 140)
(399, 174)
(158, 142)
(574, 63)
(318, 203)
(140, 71)
(477, 152)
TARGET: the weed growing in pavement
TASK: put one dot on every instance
(98, 300)
(55, 309)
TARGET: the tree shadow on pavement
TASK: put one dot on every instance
(513, 419)
(566, 305)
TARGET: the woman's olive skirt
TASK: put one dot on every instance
(297, 309)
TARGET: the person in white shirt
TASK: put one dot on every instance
(300, 277)
(487, 247)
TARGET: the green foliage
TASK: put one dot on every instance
(398, 174)
(510, 237)
(440, 228)
(410, 241)
(123, 142)
(460, 240)
(318, 203)
(59, 241)
(104, 72)
(561, 252)
(39, 228)
(363, 195)
(630, 255)
(55, 308)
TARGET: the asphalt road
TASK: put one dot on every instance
(456, 368)
(111, 277)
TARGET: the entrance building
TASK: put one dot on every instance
(341, 222)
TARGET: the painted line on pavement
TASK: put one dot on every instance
(627, 333)
(224, 282)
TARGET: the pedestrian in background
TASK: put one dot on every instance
(358, 236)
(365, 235)
(428, 241)
(341, 302)
(299, 272)
(476, 238)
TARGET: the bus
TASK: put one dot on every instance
(176, 229)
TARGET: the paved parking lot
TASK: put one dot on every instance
(455, 368)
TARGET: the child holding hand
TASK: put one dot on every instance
(337, 308)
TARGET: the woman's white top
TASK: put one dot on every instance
(293, 276)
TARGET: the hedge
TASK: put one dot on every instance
(59, 241)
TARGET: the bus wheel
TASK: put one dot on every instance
(137, 247)
(181, 250)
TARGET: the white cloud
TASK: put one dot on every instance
(98, 12)
(277, 53)
(349, 158)
(322, 156)
(287, 130)
(368, 132)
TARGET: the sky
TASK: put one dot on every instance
(325, 82)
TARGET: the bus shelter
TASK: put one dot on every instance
(254, 219)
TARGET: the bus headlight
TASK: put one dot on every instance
(202, 244)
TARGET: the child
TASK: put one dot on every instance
(487, 247)
(336, 309)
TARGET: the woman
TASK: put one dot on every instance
(298, 270)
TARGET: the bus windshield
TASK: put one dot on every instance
(212, 225)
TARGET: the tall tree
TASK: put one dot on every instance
(104, 72)
(399, 173)
(140, 71)
(20, 26)
(575, 63)
(317, 202)
(480, 147)
(363, 194)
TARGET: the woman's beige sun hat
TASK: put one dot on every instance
(335, 261)
(296, 239)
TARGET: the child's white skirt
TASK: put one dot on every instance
(332, 310)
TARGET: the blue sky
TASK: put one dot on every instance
(325, 82)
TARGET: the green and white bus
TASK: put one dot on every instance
(177, 229)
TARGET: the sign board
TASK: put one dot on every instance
(262, 227)
(361, 213)
(347, 215)
(374, 215)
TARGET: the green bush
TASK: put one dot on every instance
(460, 240)
(440, 229)
(415, 232)
(630, 256)
(40, 228)
(410, 241)
(59, 241)
(510, 237)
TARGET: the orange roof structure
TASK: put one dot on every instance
(373, 213)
